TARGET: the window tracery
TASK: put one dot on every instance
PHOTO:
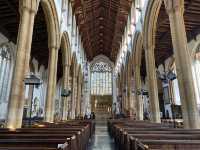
(101, 79)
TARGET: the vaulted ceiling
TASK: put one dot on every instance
(101, 24)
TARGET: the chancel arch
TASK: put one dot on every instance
(101, 71)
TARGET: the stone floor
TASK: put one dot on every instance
(101, 139)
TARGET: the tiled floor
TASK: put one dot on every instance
(101, 139)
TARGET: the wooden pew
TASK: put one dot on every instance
(164, 144)
(71, 135)
(142, 136)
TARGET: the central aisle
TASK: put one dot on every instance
(101, 139)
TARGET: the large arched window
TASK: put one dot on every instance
(101, 79)
(5, 68)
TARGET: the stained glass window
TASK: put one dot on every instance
(101, 79)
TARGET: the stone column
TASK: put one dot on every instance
(16, 103)
(82, 103)
(139, 100)
(80, 94)
(152, 85)
(82, 98)
(74, 85)
(51, 85)
(130, 98)
(114, 90)
(77, 97)
(175, 10)
(123, 93)
(70, 98)
(65, 86)
(127, 91)
(78, 101)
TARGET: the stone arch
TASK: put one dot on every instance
(79, 83)
(129, 82)
(150, 22)
(137, 49)
(73, 80)
(66, 62)
(129, 63)
(51, 17)
(74, 63)
(66, 49)
(137, 60)
(123, 75)
(149, 33)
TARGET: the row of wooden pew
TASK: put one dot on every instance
(141, 135)
(71, 135)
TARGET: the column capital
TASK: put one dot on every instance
(174, 5)
(30, 5)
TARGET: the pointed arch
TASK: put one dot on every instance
(138, 47)
(66, 49)
(150, 22)
(52, 21)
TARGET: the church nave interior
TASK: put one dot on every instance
(99, 75)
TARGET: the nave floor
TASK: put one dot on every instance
(101, 139)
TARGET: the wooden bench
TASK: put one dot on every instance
(45, 136)
(164, 144)
(142, 136)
